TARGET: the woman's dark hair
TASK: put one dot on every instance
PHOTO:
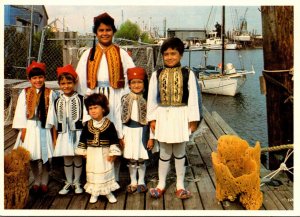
(97, 99)
(35, 72)
(67, 76)
(174, 43)
(105, 20)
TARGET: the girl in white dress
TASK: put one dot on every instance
(31, 120)
(100, 144)
(136, 129)
(67, 116)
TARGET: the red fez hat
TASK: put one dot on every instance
(136, 73)
(66, 69)
(34, 64)
(104, 16)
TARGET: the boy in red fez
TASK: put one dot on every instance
(137, 138)
(103, 69)
(33, 125)
(67, 117)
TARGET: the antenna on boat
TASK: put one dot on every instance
(223, 37)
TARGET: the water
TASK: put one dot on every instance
(246, 112)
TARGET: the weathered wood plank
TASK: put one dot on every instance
(10, 133)
(61, 202)
(284, 199)
(171, 201)
(193, 203)
(152, 203)
(99, 205)
(224, 126)
(79, 201)
(206, 189)
(135, 201)
(120, 194)
(205, 153)
(210, 138)
(9, 145)
(194, 159)
(45, 201)
(204, 182)
(270, 201)
(216, 129)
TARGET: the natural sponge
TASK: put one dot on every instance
(16, 175)
(237, 170)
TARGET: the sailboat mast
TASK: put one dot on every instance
(223, 37)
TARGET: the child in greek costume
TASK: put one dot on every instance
(31, 120)
(99, 143)
(174, 105)
(67, 116)
(136, 129)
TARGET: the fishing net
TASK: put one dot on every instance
(237, 170)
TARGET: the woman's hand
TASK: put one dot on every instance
(23, 134)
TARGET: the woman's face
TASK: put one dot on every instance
(105, 34)
(171, 57)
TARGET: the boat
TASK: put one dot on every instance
(228, 83)
(193, 43)
(231, 46)
(222, 80)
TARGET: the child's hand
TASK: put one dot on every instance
(122, 143)
(23, 134)
(193, 126)
(152, 126)
(111, 158)
(150, 144)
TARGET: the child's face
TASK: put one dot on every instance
(67, 86)
(171, 57)
(37, 81)
(136, 85)
(96, 112)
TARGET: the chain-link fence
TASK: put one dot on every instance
(56, 50)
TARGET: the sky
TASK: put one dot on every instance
(79, 18)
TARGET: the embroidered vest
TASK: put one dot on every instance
(173, 86)
(114, 63)
(33, 99)
(127, 101)
(75, 111)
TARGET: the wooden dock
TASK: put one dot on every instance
(200, 180)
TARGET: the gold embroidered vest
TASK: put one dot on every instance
(114, 63)
(127, 101)
(171, 87)
(33, 99)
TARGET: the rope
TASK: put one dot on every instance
(274, 81)
(291, 71)
(278, 148)
(282, 167)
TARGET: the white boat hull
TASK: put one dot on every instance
(225, 85)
